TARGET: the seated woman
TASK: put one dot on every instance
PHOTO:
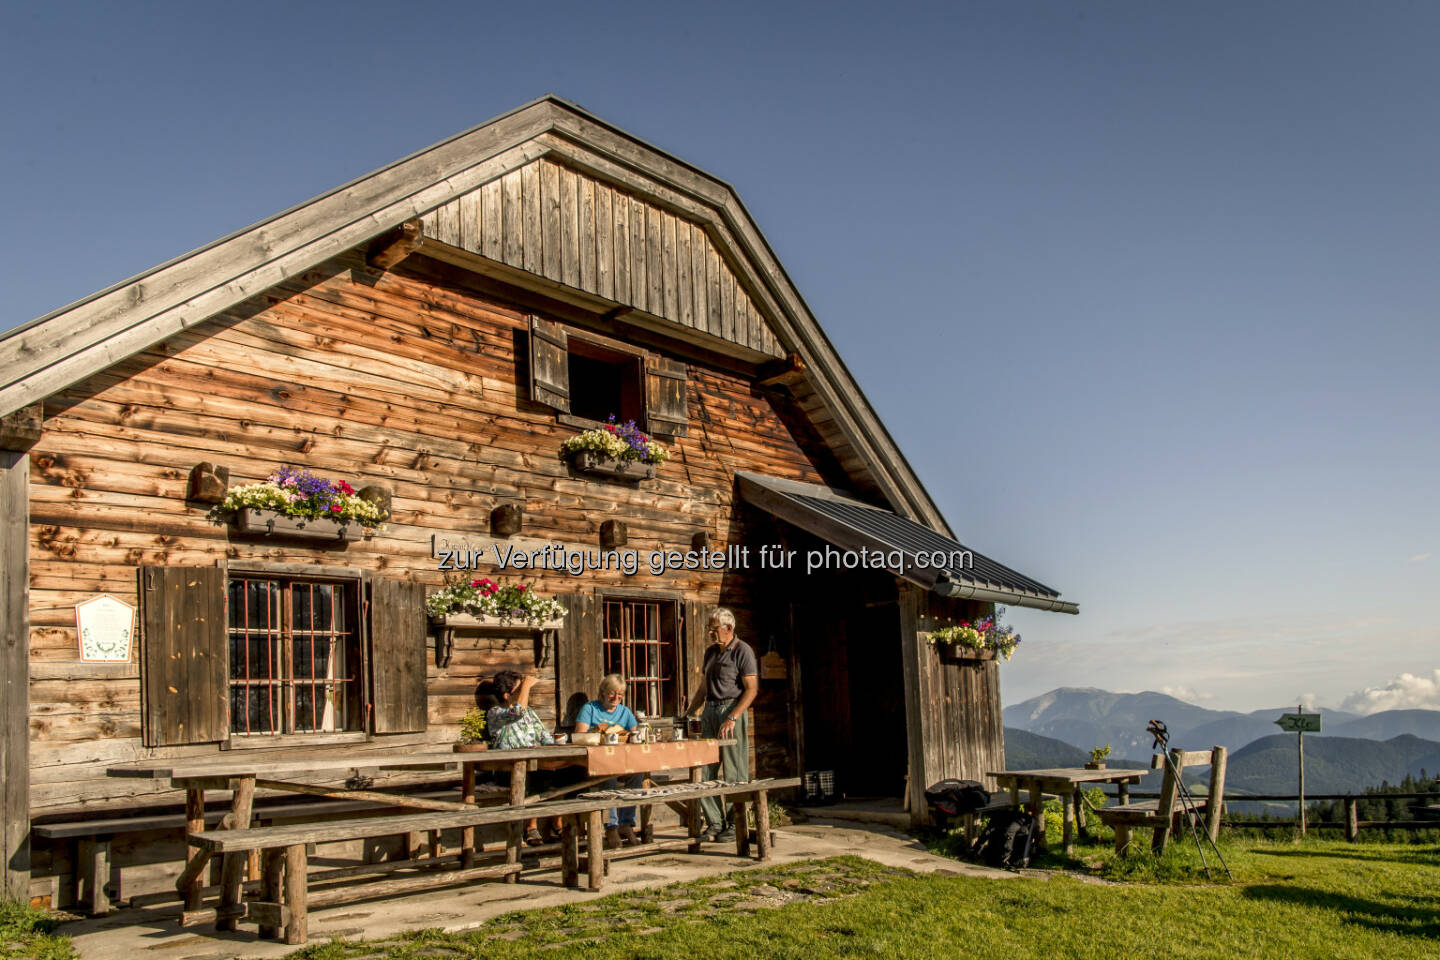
(610, 709)
(513, 725)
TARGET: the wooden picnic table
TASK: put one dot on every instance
(1067, 783)
(244, 771)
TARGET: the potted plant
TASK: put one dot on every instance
(615, 450)
(1097, 758)
(984, 639)
(296, 504)
(473, 732)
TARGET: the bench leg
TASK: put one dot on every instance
(1122, 839)
(569, 851)
(94, 873)
(647, 827)
(1037, 810)
(232, 876)
(762, 824)
(467, 835)
(297, 929)
(194, 823)
(1067, 820)
(742, 829)
(697, 775)
(595, 848)
(518, 771)
(271, 879)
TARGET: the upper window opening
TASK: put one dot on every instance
(604, 383)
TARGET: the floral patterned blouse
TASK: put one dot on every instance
(515, 726)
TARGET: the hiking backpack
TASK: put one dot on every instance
(1008, 840)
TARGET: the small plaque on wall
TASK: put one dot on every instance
(106, 627)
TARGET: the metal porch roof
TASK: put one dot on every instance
(852, 525)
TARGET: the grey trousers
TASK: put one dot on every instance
(734, 763)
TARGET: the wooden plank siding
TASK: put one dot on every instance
(404, 379)
(14, 677)
(586, 234)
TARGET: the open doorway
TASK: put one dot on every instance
(853, 692)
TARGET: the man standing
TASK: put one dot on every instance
(731, 682)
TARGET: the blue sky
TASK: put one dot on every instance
(1146, 294)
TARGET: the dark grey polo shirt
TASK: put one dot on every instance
(725, 666)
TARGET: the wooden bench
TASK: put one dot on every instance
(284, 886)
(97, 883)
(1166, 814)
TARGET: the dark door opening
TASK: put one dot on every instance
(852, 686)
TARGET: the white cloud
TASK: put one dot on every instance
(1188, 694)
(1419, 558)
(1405, 692)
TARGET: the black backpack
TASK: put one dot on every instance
(951, 798)
(1007, 840)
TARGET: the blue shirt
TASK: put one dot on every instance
(594, 714)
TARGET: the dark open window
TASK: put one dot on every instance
(295, 656)
(590, 377)
(605, 382)
(638, 638)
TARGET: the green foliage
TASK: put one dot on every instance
(25, 934)
(1099, 754)
(473, 726)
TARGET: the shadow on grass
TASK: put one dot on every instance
(1414, 921)
(1430, 858)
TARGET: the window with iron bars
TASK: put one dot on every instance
(638, 637)
(294, 656)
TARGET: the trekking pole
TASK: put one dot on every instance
(1188, 805)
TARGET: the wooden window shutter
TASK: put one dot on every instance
(185, 685)
(579, 658)
(666, 413)
(697, 619)
(397, 655)
(549, 364)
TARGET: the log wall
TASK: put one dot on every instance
(404, 379)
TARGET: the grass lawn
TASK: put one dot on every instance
(1317, 899)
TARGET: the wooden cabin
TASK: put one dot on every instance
(433, 332)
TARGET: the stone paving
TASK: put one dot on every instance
(154, 934)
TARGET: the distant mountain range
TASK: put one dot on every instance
(1263, 766)
(1087, 717)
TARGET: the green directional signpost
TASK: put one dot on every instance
(1300, 723)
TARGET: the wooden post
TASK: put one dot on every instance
(595, 848)
(1352, 819)
(1122, 839)
(297, 930)
(232, 876)
(1300, 741)
(271, 879)
(517, 829)
(1037, 810)
(569, 851)
(1122, 793)
(1067, 820)
(697, 775)
(467, 795)
(742, 829)
(762, 824)
(15, 653)
(1215, 799)
(647, 825)
(94, 867)
(1169, 788)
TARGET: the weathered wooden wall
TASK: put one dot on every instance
(955, 706)
(406, 379)
(576, 230)
(14, 672)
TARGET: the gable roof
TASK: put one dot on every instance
(57, 350)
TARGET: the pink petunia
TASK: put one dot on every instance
(335, 508)
(476, 583)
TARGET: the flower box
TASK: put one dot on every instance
(597, 464)
(467, 620)
(955, 653)
(271, 523)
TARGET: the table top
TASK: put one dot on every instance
(277, 762)
(1066, 775)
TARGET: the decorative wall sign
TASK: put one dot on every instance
(106, 627)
